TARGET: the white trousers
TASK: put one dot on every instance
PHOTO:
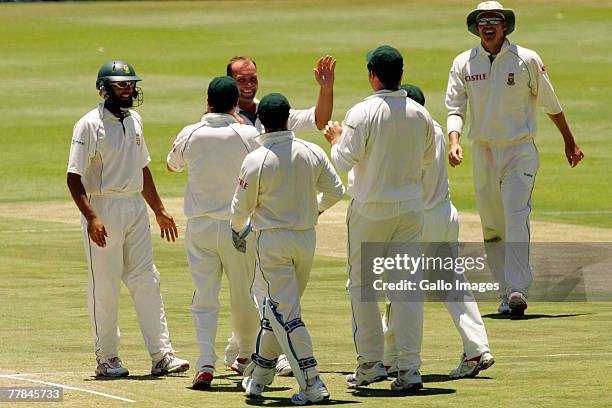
(210, 252)
(284, 261)
(441, 224)
(504, 178)
(397, 222)
(127, 257)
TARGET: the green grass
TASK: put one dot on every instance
(559, 359)
(50, 56)
(51, 53)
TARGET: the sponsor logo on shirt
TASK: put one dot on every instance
(74, 141)
(138, 140)
(475, 77)
(243, 183)
(543, 69)
(510, 79)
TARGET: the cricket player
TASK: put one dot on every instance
(283, 187)
(108, 178)
(441, 227)
(213, 150)
(503, 83)
(385, 142)
(244, 71)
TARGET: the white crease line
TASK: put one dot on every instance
(67, 387)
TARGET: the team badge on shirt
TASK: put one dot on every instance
(510, 79)
(138, 140)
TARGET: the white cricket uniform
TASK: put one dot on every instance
(213, 150)
(386, 141)
(502, 97)
(441, 224)
(299, 119)
(109, 155)
(282, 188)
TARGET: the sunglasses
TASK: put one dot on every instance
(124, 84)
(490, 21)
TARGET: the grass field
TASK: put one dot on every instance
(50, 53)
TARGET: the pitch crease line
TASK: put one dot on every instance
(67, 387)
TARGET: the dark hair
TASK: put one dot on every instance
(275, 121)
(229, 70)
(389, 76)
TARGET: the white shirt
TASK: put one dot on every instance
(213, 150)
(279, 184)
(386, 141)
(502, 95)
(299, 119)
(109, 154)
(435, 177)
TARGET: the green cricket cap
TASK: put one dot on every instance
(273, 104)
(414, 93)
(223, 93)
(384, 57)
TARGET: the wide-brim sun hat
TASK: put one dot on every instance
(494, 7)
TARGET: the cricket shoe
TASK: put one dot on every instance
(283, 368)
(503, 307)
(231, 353)
(203, 378)
(256, 379)
(517, 303)
(169, 364)
(408, 381)
(471, 367)
(367, 373)
(111, 368)
(315, 391)
(392, 371)
(240, 364)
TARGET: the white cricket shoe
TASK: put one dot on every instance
(283, 368)
(315, 391)
(517, 303)
(111, 368)
(169, 364)
(367, 373)
(503, 307)
(231, 353)
(256, 379)
(471, 367)
(408, 380)
(240, 364)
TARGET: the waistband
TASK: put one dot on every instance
(115, 194)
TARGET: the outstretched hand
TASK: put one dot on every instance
(324, 71)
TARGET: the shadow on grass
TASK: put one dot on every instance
(423, 392)
(498, 316)
(130, 378)
(286, 402)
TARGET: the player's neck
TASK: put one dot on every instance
(247, 105)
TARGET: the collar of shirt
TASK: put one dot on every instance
(218, 118)
(274, 137)
(486, 53)
(399, 93)
(109, 115)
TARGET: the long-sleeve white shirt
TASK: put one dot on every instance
(386, 141)
(502, 95)
(435, 177)
(299, 119)
(284, 184)
(213, 151)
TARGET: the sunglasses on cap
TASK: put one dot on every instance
(124, 84)
(490, 21)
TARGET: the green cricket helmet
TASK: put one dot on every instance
(115, 71)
